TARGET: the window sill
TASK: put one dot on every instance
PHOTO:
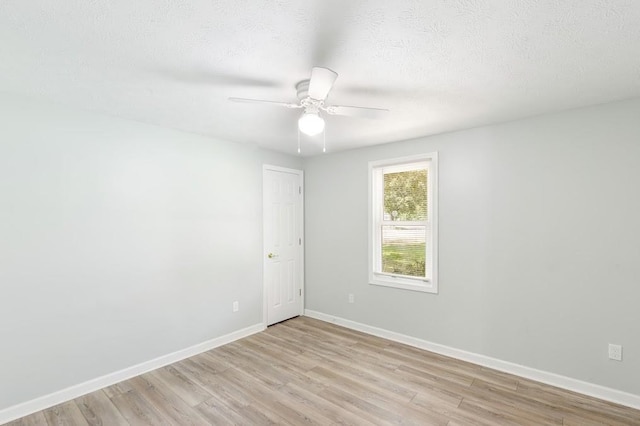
(404, 283)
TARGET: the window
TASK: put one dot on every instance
(403, 223)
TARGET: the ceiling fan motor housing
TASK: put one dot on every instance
(310, 105)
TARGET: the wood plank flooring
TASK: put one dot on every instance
(305, 371)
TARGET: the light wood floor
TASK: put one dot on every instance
(305, 371)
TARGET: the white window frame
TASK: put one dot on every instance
(376, 194)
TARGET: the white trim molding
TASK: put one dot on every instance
(568, 383)
(64, 395)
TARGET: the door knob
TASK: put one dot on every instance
(271, 255)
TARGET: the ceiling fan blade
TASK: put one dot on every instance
(260, 101)
(194, 75)
(321, 82)
(356, 111)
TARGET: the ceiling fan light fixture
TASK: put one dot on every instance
(311, 123)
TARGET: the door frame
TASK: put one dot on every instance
(265, 295)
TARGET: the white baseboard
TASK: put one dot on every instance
(46, 401)
(596, 391)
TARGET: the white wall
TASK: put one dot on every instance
(539, 243)
(119, 242)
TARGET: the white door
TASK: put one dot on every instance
(283, 252)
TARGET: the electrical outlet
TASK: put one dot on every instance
(236, 306)
(615, 352)
(352, 298)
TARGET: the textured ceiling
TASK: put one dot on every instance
(437, 65)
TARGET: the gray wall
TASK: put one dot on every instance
(539, 243)
(119, 242)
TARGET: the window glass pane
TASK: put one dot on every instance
(403, 250)
(405, 195)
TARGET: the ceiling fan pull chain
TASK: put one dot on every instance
(324, 140)
(298, 140)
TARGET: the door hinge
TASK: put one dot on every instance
(299, 190)
(299, 241)
(300, 292)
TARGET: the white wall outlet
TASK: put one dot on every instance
(615, 352)
(352, 298)
(236, 306)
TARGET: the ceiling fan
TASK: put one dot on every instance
(312, 95)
